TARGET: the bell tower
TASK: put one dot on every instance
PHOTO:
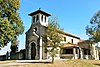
(39, 21)
(34, 41)
(40, 16)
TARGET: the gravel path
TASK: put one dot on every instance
(22, 62)
(12, 63)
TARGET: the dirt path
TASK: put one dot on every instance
(12, 63)
(57, 63)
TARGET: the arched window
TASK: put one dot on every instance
(34, 19)
(45, 18)
(35, 29)
(37, 18)
(42, 18)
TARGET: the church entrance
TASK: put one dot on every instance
(33, 51)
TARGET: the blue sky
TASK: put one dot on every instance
(73, 15)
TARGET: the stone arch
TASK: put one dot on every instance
(33, 50)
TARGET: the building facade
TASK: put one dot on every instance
(34, 41)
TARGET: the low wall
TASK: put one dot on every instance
(67, 56)
(17, 56)
(3, 57)
(87, 57)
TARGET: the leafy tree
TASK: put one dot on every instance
(11, 24)
(53, 38)
(93, 30)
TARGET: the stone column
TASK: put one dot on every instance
(40, 17)
(29, 52)
(96, 55)
(40, 48)
(74, 53)
(87, 54)
(81, 52)
(26, 53)
(94, 52)
(78, 52)
(37, 55)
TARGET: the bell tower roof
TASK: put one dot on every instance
(39, 11)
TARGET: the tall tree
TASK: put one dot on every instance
(11, 24)
(53, 38)
(93, 30)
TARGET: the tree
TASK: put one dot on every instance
(11, 24)
(14, 45)
(53, 38)
(93, 30)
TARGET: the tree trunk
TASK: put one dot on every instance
(52, 59)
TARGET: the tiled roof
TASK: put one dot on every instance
(66, 33)
(84, 44)
(69, 45)
(39, 11)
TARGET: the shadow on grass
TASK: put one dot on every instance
(97, 64)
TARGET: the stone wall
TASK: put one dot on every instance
(18, 56)
(3, 57)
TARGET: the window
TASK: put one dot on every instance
(89, 52)
(42, 18)
(71, 40)
(65, 39)
(34, 19)
(37, 18)
(86, 52)
(67, 51)
(45, 18)
(35, 29)
(76, 51)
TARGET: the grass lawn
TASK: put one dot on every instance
(65, 63)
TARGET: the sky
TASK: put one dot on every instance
(73, 16)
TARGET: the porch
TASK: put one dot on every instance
(71, 51)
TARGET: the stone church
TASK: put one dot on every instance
(34, 42)
(73, 48)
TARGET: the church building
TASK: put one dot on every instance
(74, 47)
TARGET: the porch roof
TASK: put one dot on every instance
(69, 45)
(84, 44)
